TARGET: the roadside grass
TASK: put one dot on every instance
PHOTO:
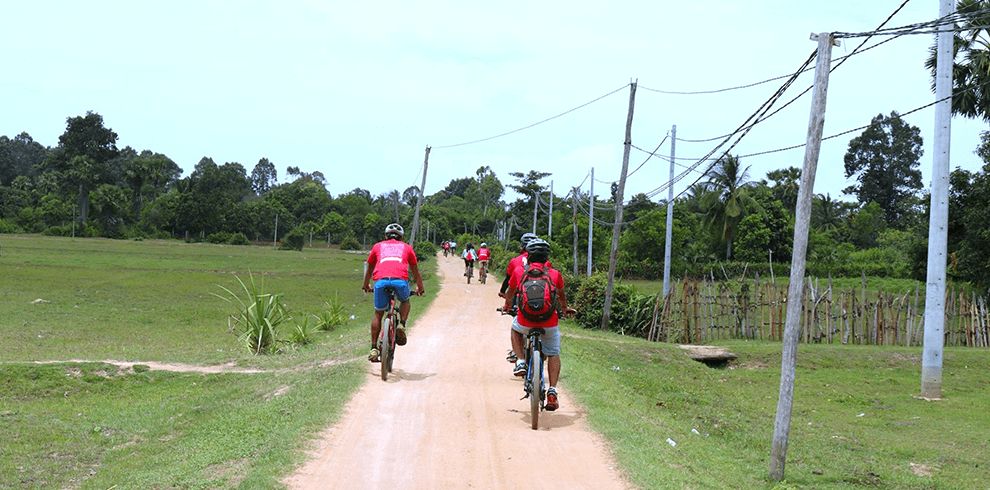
(89, 425)
(855, 423)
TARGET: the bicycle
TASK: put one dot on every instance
(469, 271)
(386, 338)
(483, 272)
(535, 391)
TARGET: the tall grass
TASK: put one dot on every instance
(258, 316)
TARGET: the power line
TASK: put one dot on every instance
(534, 124)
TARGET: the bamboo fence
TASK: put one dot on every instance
(701, 311)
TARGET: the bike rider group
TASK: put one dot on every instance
(390, 261)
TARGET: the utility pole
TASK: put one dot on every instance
(931, 361)
(670, 215)
(591, 218)
(550, 214)
(614, 255)
(275, 245)
(802, 221)
(419, 198)
(536, 207)
(574, 194)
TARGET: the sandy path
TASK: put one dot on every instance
(450, 416)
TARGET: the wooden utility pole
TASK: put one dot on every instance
(931, 361)
(419, 198)
(591, 218)
(670, 215)
(574, 194)
(536, 207)
(550, 214)
(614, 255)
(802, 222)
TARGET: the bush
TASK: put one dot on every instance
(219, 237)
(7, 227)
(626, 313)
(425, 250)
(350, 243)
(238, 239)
(294, 240)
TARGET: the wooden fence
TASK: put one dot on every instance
(703, 311)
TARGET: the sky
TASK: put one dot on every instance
(358, 90)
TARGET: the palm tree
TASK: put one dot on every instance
(728, 201)
(970, 75)
(826, 213)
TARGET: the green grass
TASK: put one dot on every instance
(855, 421)
(93, 426)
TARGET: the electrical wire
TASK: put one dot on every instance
(536, 123)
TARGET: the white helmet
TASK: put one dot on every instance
(483, 244)
(394, 230)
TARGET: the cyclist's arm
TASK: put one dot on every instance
(505, 286)
(367, 277)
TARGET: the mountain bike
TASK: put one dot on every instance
(483, 271)
(469, 271)
(534, 385)
(386, 339)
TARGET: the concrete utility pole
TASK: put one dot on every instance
(550, 214)
(275, 245)
(931, 361)
(614, 256)
(574, 194)
(536, 207)
(591, 218)
(419, 198)
(670, 214)
(802, 222)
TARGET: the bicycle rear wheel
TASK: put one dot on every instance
(386, 349)
(535, 384)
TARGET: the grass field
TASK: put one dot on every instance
(89, 425)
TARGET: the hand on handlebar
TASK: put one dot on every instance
(419, 291)
(367, 288)
(569, 312)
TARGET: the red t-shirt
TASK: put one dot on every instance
(558, 283)
(519, 262)
(482, 254)
(391, 258)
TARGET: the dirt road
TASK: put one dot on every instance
(450, 416)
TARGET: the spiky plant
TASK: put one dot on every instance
(258, 315)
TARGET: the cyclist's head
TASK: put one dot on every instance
(469, 245)
(483, 244)
(394, 231)
(526, 239)
(539, 250)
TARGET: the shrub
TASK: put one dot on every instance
(238, 239)
(219, 237)
(258, 316)
(294, 240)
(425, 250)
(333, 315)
(7, 227)
(625, 315)
(350, 243)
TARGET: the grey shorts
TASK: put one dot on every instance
(550, 337)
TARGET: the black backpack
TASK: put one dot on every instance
(537, 295)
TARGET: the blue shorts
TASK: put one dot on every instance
(401, 292)
(550, 337)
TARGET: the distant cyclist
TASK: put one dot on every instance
(483, 255)
(446, 248)
(469, 255)
(539, 260)
(388, 264)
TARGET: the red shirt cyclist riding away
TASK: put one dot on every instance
(539, 257)
(388, 264)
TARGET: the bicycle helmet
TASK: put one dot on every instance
(539, 250)
(395, 231)
(483, 244)
(526, 239)
(469, 245)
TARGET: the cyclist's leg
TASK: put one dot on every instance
(551, 347)
(518, 341)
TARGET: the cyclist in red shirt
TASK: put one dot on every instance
(539, 257)
(388, 264)
(483, 255)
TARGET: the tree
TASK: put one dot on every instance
(786, 183)
(728, 200)
(263, 176)
(885, 161)
(971, 76)
(529, 187)
(83, 155)
(19, 156)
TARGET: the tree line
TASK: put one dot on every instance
(87, 186)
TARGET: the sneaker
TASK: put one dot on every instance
(511, 356)
(551, 403)
(400, 336)
(520, 369)
(373, 355)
